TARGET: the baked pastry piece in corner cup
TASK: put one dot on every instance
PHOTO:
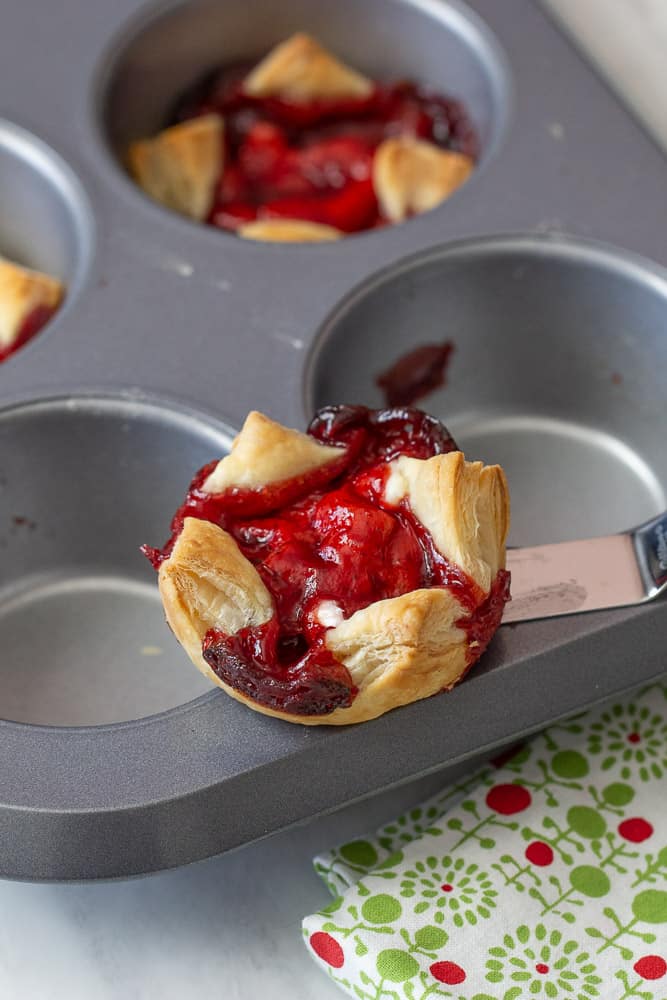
(28, 300)
(331, 576)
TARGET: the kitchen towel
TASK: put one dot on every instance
(544, 875)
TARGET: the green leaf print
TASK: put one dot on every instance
(654, 870)
(396, 965)
(360, 854)
(648, 907)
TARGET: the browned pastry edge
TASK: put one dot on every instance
(300, 69)
(21, 291)
(288, 231)
(265, 452)
(180, 166)
(411, 175)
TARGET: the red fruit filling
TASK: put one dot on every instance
(330, 536)
(32, 324)
(415, 374)
(313, 160)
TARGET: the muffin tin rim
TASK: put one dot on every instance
(39, 155)
(92, 403)
(560, 246)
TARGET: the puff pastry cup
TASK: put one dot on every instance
(22, 291)
(182, 165)
(395, 650)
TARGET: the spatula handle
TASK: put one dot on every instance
(651, 546)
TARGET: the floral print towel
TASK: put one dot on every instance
(541, 876)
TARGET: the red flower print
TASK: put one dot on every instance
(651, 967)
(447, 972)
(508, 799)
(635, 829)
(327, 948)
(539, 853)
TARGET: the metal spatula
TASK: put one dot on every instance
(589, 574)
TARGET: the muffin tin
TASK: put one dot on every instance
(545, 270)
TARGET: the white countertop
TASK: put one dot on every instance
(230, 927)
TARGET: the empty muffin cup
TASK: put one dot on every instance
(83, 483)
(552, 360)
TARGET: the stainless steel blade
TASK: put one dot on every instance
(588, 574)
(561, 579)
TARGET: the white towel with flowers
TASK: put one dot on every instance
(543, 876)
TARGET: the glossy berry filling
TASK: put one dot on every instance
(329, 544)
(312, 161)
(415, 374)
(32, 324)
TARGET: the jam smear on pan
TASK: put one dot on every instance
(325, 546)
(32, 324)
(313, 160)
(415, 374)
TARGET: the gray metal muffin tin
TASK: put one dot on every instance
(117, 760)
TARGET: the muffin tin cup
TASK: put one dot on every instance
(443, 45)
(171, 332)
(46, 221)
(556, 371)
(84, 480)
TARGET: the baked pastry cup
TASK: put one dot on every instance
(23, 294)
(219, 586)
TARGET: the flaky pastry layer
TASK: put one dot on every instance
(208, 583)
(265, 452)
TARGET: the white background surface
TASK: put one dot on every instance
(230, 927)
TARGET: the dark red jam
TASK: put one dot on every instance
(32, 324)
(330, 537)
(415, 374)
(313, 160)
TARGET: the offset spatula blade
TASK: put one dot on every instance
(589, 574)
